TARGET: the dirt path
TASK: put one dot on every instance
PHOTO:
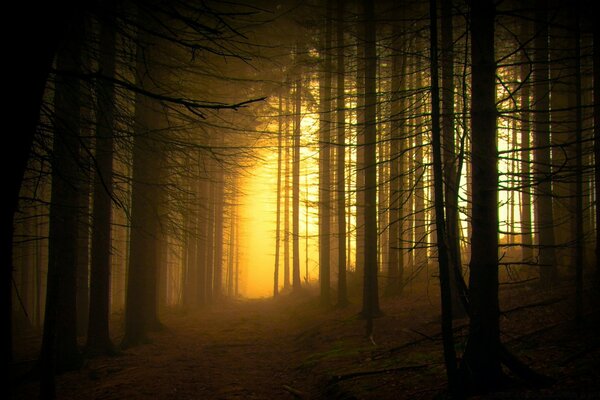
(238, 350)
(292, 348)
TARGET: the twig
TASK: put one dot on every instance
(351, 375)
(294, 392)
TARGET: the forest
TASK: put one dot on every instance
(318, 199)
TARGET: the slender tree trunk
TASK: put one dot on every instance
(341, 158)
(59, 343)
(278, 212)
(286, 204)
(597, 145)
(210, 238)
(140, 301)
(218, 241)
(481, 361)
(296, 187)
(442, 237)
(394, 283)
(579, 234)
(421, 260)
(202, 221)
(98, 337)
(325, 161)
(526, 239)
(370, 307)
(51, 22)
(544, 216)
(451, 172)
(232, 243)
(360, 150)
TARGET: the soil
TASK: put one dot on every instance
(292, 348)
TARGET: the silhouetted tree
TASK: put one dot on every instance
(481, 361)
(370, 306)
(98, 337)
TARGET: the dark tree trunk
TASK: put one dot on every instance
(59, 350)
(360, 150)
(341, 157)
(442, 237)
(278, 212)
(286, 196)
(579, 233)
(597, 145)
(542, 172)
(526, 239)
(98, 337)
(50, 23)
(451, 173)
(396, 260)
(218, 241)
(481, 361)
(370, 307)
(210, 240)
(202, 222)
(325, 161)
(296, 187)
(140, 302)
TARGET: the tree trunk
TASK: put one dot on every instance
(218, 241)
(59, 343)
(325, 161)
(98, 337)
(396, 261)
(286, 206)
(370, 307)
(442, 237)
(481, 362)
(451, 172)
(278, 212)
(360, 150)
(526, 239)
(341, 158)
(597, 146)
(544, 216)
(140, 305)
(296, 187)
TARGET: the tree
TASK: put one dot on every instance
(544, 215)
(142, 269)
(525, 70)
(370, 306)
(396, 256)
(59, 343)
(481, 361)
(451, 170)
(443, 237)
(278, 211)
(98, 337)
(296, 185)
(325, 159)
(341, 156)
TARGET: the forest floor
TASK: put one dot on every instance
(291, 348)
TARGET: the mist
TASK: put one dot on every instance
(303, 200)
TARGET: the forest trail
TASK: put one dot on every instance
(236, 350)
(292, 348)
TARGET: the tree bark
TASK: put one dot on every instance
(325, 161)
(481, 361)
(443, 238)
(296, 187)
(342, 299)
(98, 337)
(544, 215)
(370, 307)
(59, 350)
